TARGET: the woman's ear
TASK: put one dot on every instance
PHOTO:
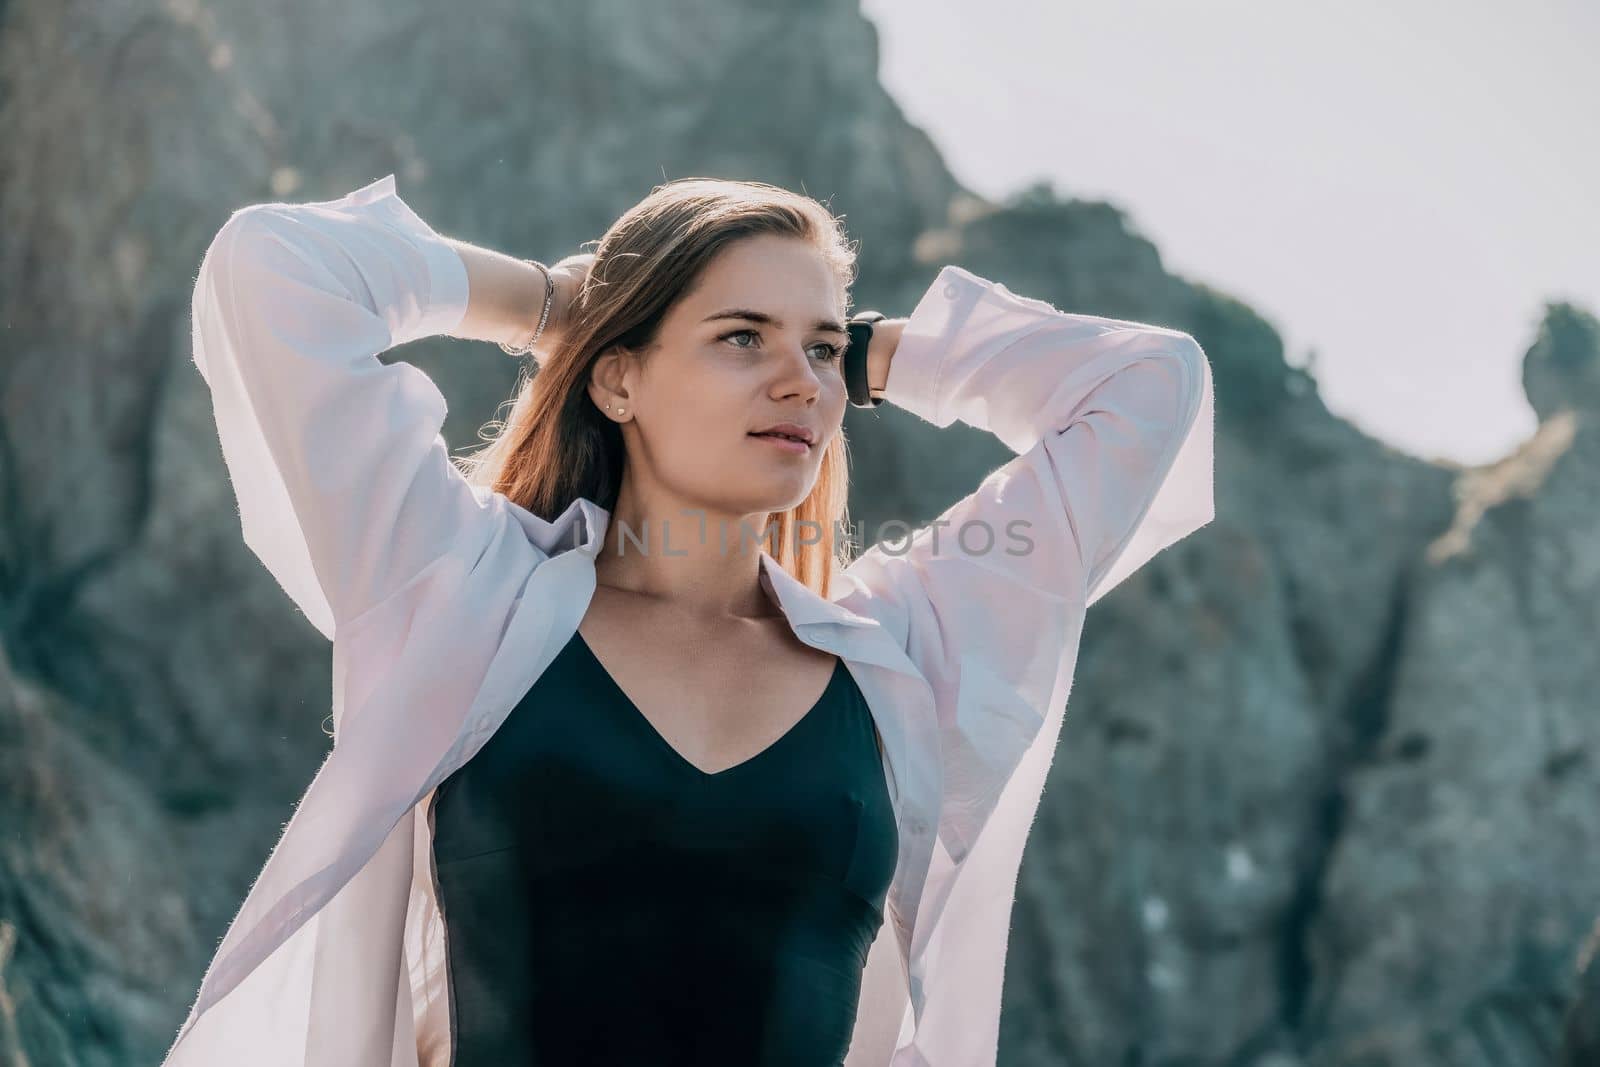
(608, 381)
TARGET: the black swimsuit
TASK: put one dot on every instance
(607, 902)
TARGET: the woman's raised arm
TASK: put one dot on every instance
(1112, 424)
(1119, 402)
(345, 489)
(508, 293)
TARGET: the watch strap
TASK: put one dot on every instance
(859, 327)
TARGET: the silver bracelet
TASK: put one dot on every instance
(544, 316)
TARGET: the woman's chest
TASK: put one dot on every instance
(577, 778)
(718, 695)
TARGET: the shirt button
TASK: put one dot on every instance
(950, 291)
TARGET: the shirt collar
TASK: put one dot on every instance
(800, 603)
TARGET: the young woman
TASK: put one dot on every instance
(632, 762)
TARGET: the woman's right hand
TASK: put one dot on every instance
(506, 295)
(569, 275)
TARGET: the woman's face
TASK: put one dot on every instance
(757, 341)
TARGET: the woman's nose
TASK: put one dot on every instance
(798, 373)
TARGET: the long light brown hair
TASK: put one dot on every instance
(556, 446)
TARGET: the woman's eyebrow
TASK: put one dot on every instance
(825, 325)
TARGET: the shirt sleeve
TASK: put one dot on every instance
(1111, 422)
(344, 484)
(1116, 404)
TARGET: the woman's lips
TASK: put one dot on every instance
(788, 444)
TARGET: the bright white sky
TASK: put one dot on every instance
(1398, 184)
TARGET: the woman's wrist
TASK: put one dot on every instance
(505, 296)
(880, 353)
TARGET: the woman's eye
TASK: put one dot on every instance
(830, 352)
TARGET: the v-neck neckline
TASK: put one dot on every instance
(672, 752)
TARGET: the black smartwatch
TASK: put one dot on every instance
(859, 327)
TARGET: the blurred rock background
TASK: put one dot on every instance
(1328, 791)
